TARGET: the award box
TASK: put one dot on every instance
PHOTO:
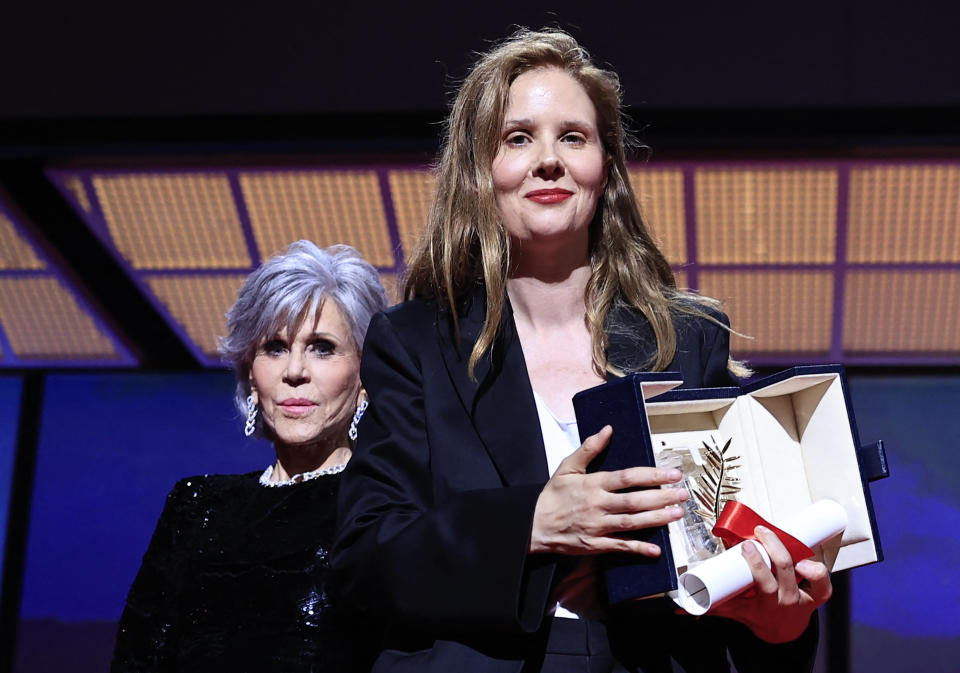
(794, 440)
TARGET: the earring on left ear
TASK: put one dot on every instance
(251, 425)
(357, 415)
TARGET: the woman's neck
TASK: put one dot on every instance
(544, 299)
(548, 279)
(297, 459)
(550, 318)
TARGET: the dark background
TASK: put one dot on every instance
(821, 73)
(109, 59)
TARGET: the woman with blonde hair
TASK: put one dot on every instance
(468, 515)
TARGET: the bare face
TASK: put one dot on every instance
(308, 385)
(550, 168)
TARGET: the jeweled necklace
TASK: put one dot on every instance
(299, 478)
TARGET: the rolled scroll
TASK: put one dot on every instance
(728, 573)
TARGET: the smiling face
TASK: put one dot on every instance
(550, 168)
(308, 386)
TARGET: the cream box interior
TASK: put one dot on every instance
(796, 445)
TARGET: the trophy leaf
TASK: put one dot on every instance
(717, 483)
(702, 499)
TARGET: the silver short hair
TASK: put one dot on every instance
(288, 288)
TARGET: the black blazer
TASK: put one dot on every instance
(436, 506)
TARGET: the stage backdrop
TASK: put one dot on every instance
(906, 610)
(9, 409)
(112, 445)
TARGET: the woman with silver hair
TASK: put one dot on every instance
(236, 576)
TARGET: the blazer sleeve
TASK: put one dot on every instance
(752, 655)
(716, 353)
(453, 561)
(147, 633)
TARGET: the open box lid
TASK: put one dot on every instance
(653, 384)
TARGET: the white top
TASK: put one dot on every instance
(560, 439)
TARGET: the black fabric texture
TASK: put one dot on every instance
(237, 578)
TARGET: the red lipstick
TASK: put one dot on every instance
(555, 195)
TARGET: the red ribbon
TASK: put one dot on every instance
(737, 522)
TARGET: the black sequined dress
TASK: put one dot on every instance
(237, 578)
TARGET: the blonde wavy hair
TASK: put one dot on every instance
(465, 240)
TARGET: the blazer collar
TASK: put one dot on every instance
(499, 400)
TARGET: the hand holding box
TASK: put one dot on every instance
(728, 573)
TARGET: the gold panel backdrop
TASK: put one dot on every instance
(173, 220)
(199, 303)
(659, 194)
(412, 192)
(782, 311)
(391, 283)
(74, 185)
(906, 213)
(43, 320)
(766, 215)
(16, 253)
(324, 206)
(766, 241)
(889, 311)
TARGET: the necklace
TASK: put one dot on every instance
(299, 478)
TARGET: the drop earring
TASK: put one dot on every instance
(357, 415)
(251, 424)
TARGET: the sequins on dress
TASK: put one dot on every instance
(237, 577)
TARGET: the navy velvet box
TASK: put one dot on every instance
(798, 438)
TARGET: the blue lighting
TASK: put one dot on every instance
(9, 411)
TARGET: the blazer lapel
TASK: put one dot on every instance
(500, 400)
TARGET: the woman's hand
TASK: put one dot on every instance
(779, 609)
(580, 513)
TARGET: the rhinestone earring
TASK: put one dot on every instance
(358, 414)
(251, 424)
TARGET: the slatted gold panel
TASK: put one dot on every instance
(766, 215)
(902, 311)
(43, 320)
(660, 197)
(391, 283)
(785, 311)
(683, 282)
(16, 253)
(74, 184)
(412, 192)
(906, 213)
(173, 220)
(199, 303)
(325, 207)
